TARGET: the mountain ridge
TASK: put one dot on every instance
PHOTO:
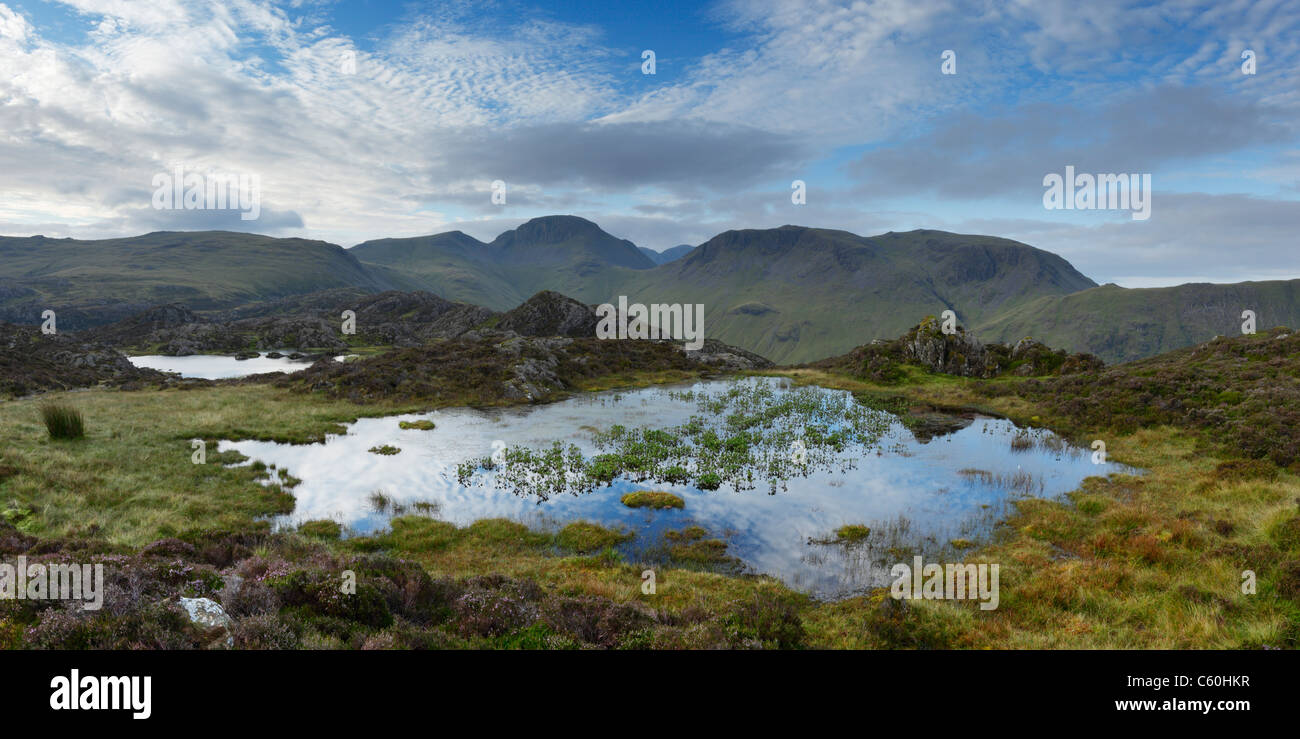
(792, 293)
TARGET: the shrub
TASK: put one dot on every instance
(488, 613)
(904, 624)
(265, 631)
(63, 421)
(597, 620)
(1286, 534)
(767, 621)
(321, 594)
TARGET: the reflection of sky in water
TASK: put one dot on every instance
(215, 366)
(919, 484)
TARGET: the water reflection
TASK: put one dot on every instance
(914, 497)
(217, 366)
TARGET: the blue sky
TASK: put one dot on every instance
(442, 99)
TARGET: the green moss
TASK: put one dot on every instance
(386, 450)
(422, 425)
(652, 499)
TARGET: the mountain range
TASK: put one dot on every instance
(792, 294)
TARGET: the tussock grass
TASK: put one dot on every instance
(131, 480)
(62, 421)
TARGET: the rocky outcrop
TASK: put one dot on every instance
(312, 322)
(31, 361)
(724, 357)
(957, 353)
(549, 313)
(489, 366)
(141, 328)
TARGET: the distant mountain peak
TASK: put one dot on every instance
(575, 238)
(554, 229)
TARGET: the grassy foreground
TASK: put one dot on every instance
(1152, 561)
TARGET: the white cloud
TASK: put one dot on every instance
(440, 104)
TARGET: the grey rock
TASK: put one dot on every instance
(208, 615)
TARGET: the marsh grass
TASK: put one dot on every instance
(742, 436)
(1124, 562)
(131, 479)
(62, 421)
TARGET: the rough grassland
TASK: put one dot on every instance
(1151, 561)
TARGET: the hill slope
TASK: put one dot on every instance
(793, 294)
(93, 282)
(667, 255)
(566, 254)
(797, 294)
(1122, 324)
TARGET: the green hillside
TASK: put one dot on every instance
(98, 281)
(791, 294)
(453, 264)
(1122, 324)
(567, 254)
(796, 294)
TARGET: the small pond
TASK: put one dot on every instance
(791, 466)
(218, 366)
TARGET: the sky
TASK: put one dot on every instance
(363, 119)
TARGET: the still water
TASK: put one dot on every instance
(217, 366)
(915, 497)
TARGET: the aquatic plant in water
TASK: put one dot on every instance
(741, 436)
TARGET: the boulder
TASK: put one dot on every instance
(209, 616)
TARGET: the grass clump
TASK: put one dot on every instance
(652, 499)
(422, 425)
(386, 450)
(583, 537)
(63, 421)
(852, 532)
(323, 529)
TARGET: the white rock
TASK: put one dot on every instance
(209, 614)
